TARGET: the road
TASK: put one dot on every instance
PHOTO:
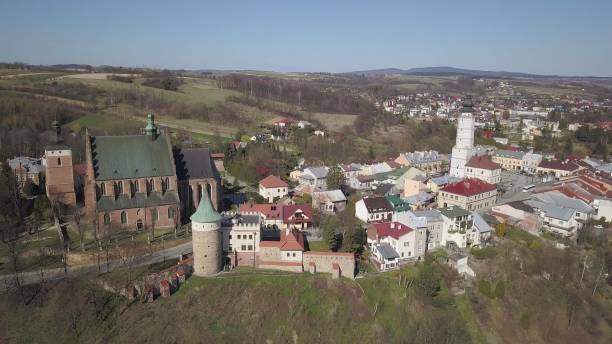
(33, 277)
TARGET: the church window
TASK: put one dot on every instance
(154, 214)
(103, 189)
(120, 188)
(59, 161)
(170, 212)
(106, 219)
(123, 217)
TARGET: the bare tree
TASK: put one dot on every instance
(80, 229)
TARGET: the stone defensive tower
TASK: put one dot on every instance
(206, 238)
(464, 145)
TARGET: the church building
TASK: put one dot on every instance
(131, 181)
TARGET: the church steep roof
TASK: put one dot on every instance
(194, 163)
(131, 156)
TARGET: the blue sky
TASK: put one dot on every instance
(537, 36)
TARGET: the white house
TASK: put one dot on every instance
(373, 209)
(273, 187)
(314, 177)
(407, 243)
(555, 219)
(481, 167)
(458, 227)
(330, 201)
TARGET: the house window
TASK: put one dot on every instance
(294, 254)
(243, 247)
(288, 254)
(250, 236)
(107, 219)
(230, 237)
(250, 247)
(239, 236)
(123, 217)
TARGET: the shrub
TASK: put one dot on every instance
(427, 281)
(500, 290)
(487, 252)
(524, 321)
(484, 287)
(500, 230)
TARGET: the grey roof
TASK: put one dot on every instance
(330, 195)
(563, 201)
(454, 211)
(481, 225)
(419, 198)
(386, 251)
(31, 165)
(318, 171)
(383, 189)
(422, 157)
(430, 215)
(140, 200)
(445, 179)
(551, 210)
(194, 163)
(131, 156)
(510, 154)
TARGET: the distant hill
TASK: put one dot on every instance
(452, 71)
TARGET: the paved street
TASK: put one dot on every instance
(32, 277)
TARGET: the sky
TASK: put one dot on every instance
(537, 36)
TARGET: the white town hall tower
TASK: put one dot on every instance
(464, 146)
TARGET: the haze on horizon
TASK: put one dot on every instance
(541, 37)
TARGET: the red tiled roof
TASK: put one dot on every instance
(558, 165)
(393, 164)
(392, 229)
(482, 162)
(469, 187)
(290, 240)
(273, 182)
(290, 210)
(269, 211)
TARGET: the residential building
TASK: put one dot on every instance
(26, 168)
(509, 160)
(558, 220)
(427, 161)
(272, 188)
(373, 209)
(557, 168)
(531, 161)
(270, 214)
(315, 178)
(406, 242)
(518, 215)
(458, 227)
(297, 216)
(470, 194)
(397, 203)
(331, 201)
(481, 167)
(415, 185)
(431, 220)
(436, 183)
